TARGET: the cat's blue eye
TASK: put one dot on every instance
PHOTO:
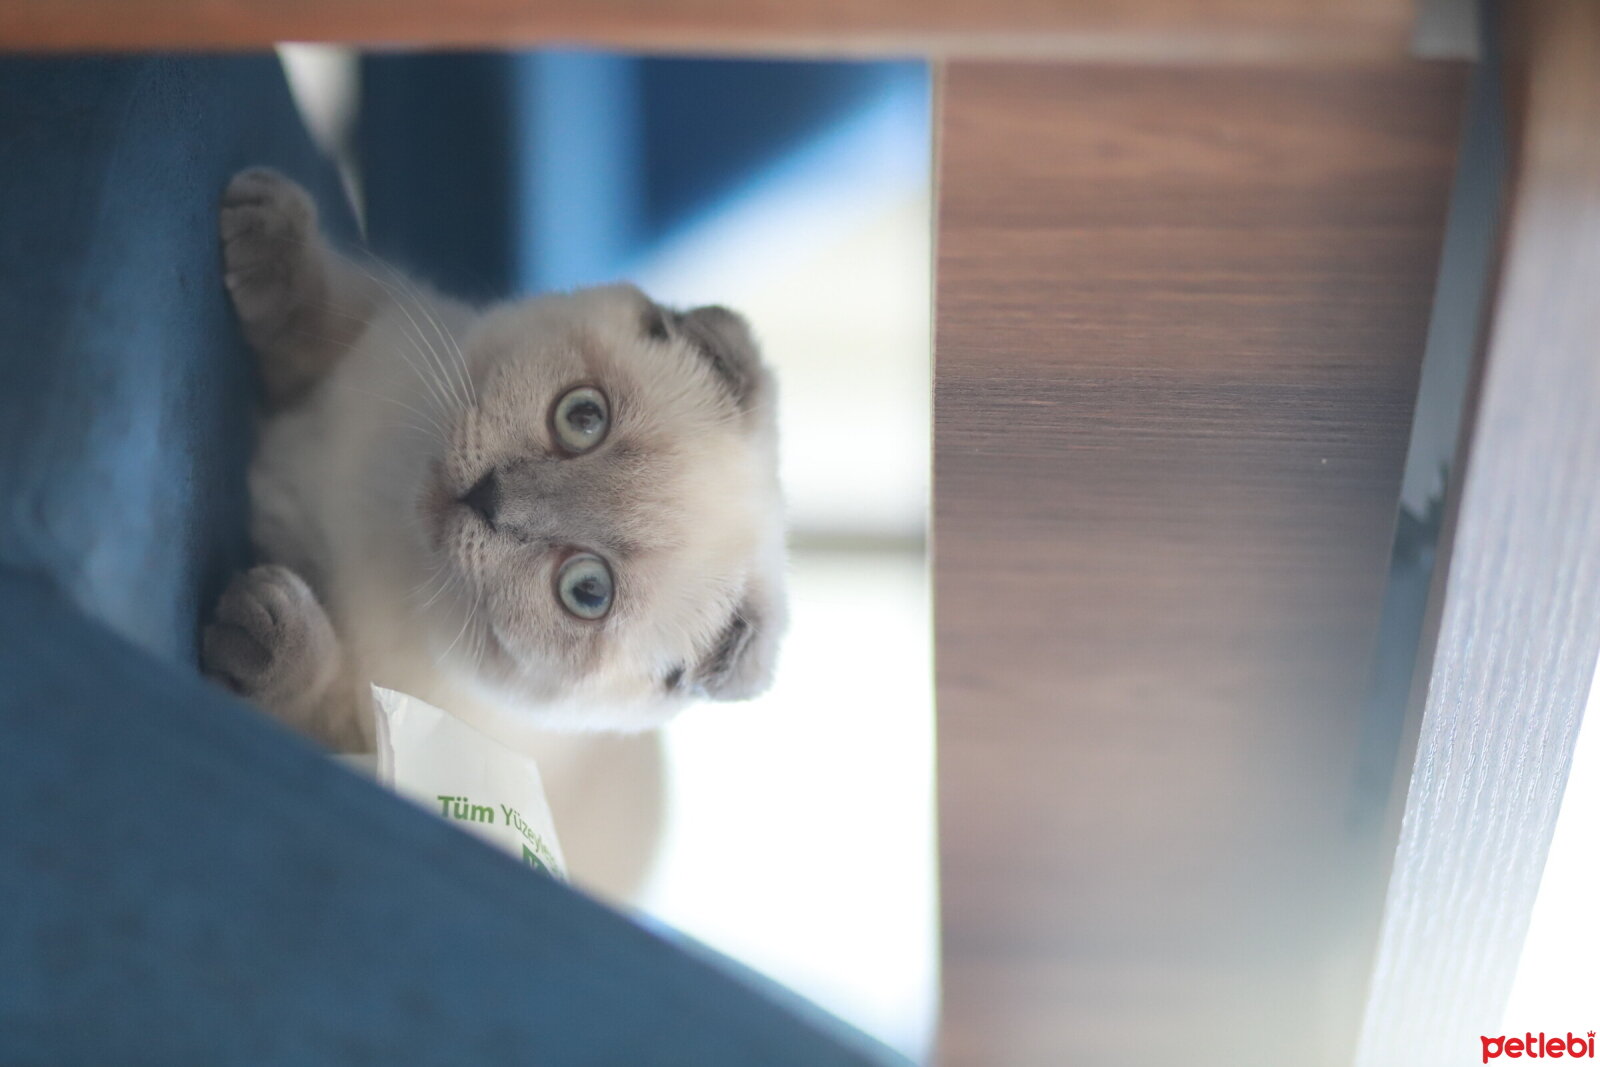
(580, 419)
(584, 586)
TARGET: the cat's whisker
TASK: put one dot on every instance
(434, 575)
(453, 347)
(433, 431)
(462, 376)
(441, 579)
(446, 585)
(481, 651)
(431, 378)
(448, 371)
(465, 622)
(430, 436)
(451, 388)
(428, 431)
(438, 430)
(437, 570)
(466, 372)
(402, 298)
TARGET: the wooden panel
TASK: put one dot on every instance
(1180, 314)
(1079, 28)
(1519, 607)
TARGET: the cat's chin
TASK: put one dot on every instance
(499, 679)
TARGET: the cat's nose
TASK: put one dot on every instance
(484, 498)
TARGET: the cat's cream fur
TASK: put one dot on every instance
(390, 406)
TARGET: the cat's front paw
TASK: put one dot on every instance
(271, 642)
(270, 250)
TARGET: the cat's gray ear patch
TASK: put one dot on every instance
(654, 321)
(740, 663)
(724, 339)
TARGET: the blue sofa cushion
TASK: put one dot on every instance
(126, 394)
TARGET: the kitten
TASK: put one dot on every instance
(559, 513)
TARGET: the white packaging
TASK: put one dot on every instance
(452, 770)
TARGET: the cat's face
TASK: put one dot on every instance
(604, 519)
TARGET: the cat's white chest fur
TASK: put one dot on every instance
(333, 489)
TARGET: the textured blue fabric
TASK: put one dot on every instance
(183, 883)
(126, 393)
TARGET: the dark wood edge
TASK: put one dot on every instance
(1168, 32)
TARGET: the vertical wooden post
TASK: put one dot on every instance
(1519, 612)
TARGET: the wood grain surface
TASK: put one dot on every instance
(1180, 315)
(1127, 29)
(1519, 606)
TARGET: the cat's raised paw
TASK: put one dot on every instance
(270, 250)
(270, 641)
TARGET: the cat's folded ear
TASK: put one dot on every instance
(725, 341)
(741, 662)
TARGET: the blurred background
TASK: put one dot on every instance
(799, 833)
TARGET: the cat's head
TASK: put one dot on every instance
(605, 514)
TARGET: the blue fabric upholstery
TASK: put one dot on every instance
(184, 883)
(125, 390)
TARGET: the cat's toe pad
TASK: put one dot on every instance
(270, 640)
(268, 226)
